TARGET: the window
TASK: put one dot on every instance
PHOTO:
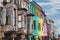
(33, 9)
(39, 27)
(0, 14)
(30, 6)
(34, 25)
(15, 17)
(19, 24)
(5, 0)
(22, 3)
(19, 3)
(25, 5)
(15, 1)
(28, 24)
(19, 18)
(7, 11)
(8, 19)
(19, 21)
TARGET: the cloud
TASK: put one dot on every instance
(43, 4)
(54, 1)
(51, 12)
(57, 21)
(51, 2)
(58, 30)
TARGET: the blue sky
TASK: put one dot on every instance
(52, 10)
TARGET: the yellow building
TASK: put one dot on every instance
(41, 27)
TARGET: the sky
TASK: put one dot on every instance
(52, 10)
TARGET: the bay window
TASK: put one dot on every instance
(30, 24)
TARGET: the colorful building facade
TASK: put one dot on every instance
(28, 16)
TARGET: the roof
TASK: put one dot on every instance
(30, 15)
(22, 9)
(43, 12)
(34, 3)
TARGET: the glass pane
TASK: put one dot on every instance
(8, 19)
(39, 27)
(0, 14)
(19, 18)
(19, 25)
(28, 23)
(7, 11)
(0, 17)
(15, 17)
(34, 25)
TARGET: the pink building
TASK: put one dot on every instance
(43, 16)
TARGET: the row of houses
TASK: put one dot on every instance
(17, 14)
